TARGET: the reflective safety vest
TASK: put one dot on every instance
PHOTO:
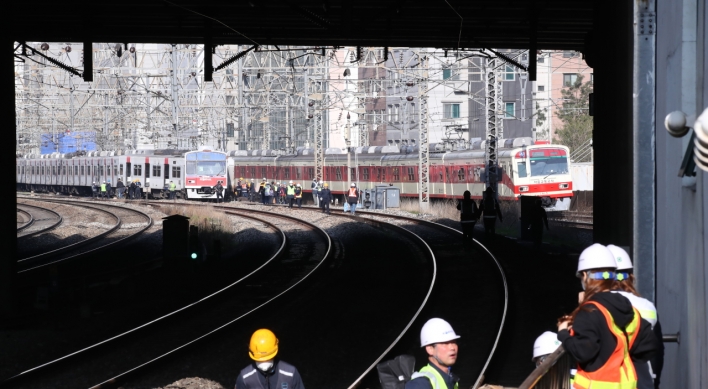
(103, 187)
(352, 192)
(645, 307)
(173, 186)
(618, 372)
(436, 380)
(298, 193)
(291, 190)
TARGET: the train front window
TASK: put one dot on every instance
(549, 165)
(521, 167)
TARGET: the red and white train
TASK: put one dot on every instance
(533, 170)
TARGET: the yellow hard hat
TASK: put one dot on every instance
(326, 185)
(264, 345)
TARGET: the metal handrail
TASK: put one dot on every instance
(553, 373)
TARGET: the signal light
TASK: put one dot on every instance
(194, 255)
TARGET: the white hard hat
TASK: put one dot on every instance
(624, 262)
(436, 330)
(291, 181)
(353, 184)
(596, 256)
(545, 344)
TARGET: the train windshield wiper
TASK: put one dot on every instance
(551, 173)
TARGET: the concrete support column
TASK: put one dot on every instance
(610, 49)
(8, 261)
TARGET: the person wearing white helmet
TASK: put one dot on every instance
(605, 330)
(440, 342)
(544, 346)
(648, 375)
(353, 197)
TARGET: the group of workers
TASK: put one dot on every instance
(291, 194)
(490, 210)
(613, 335)
(104, 190)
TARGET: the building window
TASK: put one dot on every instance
(569, 54)
(352, 174)
(311, 172)
(156, 170)
(383, 174)
(451, 111)
(447, 73)
(137, 170)
(541, 88)
(176, 172)
(396, 176)
(541, 60)
(509, 110)
(263, 172)
(365, 173)
(411, 174)
(397, 113)
(286, 173)
(338, 174)
(509, 73)
(569, 79)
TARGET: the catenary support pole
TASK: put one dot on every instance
(644, 177)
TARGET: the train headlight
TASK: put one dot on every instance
(523, 189)
(563, 186)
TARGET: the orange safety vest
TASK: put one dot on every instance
(352, 192)
(618, 372)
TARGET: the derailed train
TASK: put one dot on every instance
(524, 169)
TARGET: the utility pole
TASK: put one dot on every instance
(491, 108)
(175, 96)
(423, 144)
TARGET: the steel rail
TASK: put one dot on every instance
(49, 228)
(422, 242)
(482, 247)
(27, 223)
(90, 240)
(290, 288)
(145, 325)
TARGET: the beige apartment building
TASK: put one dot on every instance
(556, 69)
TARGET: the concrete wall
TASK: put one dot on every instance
(681, 203)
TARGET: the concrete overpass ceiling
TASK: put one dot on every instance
(556, 24)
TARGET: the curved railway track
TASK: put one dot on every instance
(128, 224)
(24, 219)
(461, 273)
(41, 220)
(295, 261)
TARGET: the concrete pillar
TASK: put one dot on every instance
(611, 58)
(8, 261)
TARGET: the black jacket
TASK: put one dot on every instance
(120, 184)
(593, 342)
(326, 194)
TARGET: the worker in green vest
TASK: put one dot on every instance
(103, 189)
(173, 188)
(290, 194)
(440, 342)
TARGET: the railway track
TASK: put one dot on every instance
(41, 220)
(373, 338)
(296, 260)
(128, 224)
(461, 266)
(24, 219)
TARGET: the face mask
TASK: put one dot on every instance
(265, 366)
